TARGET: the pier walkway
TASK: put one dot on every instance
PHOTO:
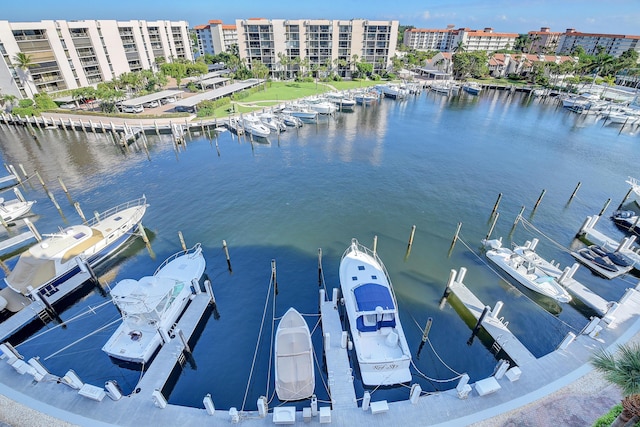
(491, 323)
(340, 375)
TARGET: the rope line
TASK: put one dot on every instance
(255, 353)
(497, 273)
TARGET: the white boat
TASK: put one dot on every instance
(300, 111)
(525, 271)
(56, 266)
(290, 120)
(472, 87)
(584, 100)
(12, 209)
(295, 375)
(254, 126)
(153, 303)
(342, 101)
(381, 347)
(272, 122)
(320, 105)
(365, 97)
(393, 91)
(445, 87)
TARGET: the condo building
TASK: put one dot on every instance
(215, 37)
(292, 46)
(73, 54)
(613, 44)
(544, 41)
(450, 39)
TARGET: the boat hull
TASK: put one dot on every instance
(381, 348)
(294, 370)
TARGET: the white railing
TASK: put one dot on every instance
(195, 250)
(132, 203)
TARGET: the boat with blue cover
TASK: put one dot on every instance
(382, 352)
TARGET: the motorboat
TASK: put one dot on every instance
(584, 100)
(151, 305)
(445, 87)
(525, 271)
(627, 220)
(290, 120)
(254, 126)
(272, 122)
(472, 87)
(365, 97)
(342, 101)
(608, 264)
(320, 105)
(392, 91)
(13, 209)
(60, 263)
(370, 303)
(300, 111)
(294, 372)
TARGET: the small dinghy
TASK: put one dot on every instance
(295, 376)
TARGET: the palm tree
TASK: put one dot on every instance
(24, 62)
(624, 372)
(460, 47)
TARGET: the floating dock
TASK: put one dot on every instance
(491, 323)
(624, 247)
(340, 375)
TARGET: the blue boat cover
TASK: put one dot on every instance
(371, 295)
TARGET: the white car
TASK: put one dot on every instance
(132, 109)
(152, 104)
(168, 99)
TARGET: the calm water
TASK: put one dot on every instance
(428, 161)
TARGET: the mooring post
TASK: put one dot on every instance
(625, 198)
(604, 208)
(574, 192)
(24, 172)
(425, 336)
(274, 277)
(478, 325)
(19, 195)
(519, 216)
(375, 244)
(539, 199)
(64, 187)
(79, 210)
(455, 238)
(53, 199)
(410, 244)
(495, 206)
(447, 289)
(182, 243)
(493, 224)
(226, 254)
(319, 267)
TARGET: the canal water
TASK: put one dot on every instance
(429, 161)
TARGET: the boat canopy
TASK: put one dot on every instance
(370, 296)
(150, 293)
(31, 272)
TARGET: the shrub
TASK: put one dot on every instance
(25, 103)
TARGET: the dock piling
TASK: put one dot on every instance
(625, 198)
(319, 267)
(274, 277)
(539, 200)
(493, 224)
(604, 208)
(478, 325)
(425, 336)
(455, 239)
(410, 244)
(226, 254)
(182, 243)
(495, 206)
(375, 244)
(574, 192)
(79, 210)
(64, 187)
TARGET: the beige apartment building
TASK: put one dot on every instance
(73, 54)
(215, 37)
(451, 39)
(613, 44)
(288, 47)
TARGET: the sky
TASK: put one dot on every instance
(512, 16)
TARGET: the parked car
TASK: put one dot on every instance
(132, 109)
(152, 104)
(168, 99)
(68, 106)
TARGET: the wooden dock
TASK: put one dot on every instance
(339, 372)
(491, 323)
(170, 354)
(585, 294)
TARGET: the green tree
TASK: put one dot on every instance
(365, 68)
(24, 63)
(624, 372)
(176, 70)
(260, 71)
